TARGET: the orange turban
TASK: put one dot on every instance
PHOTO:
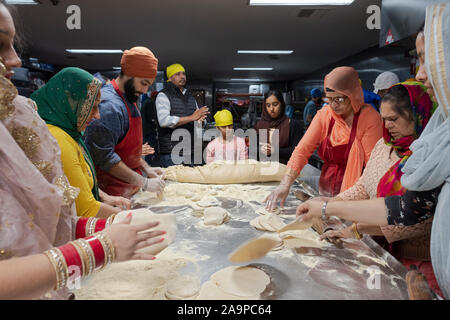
(139, 62)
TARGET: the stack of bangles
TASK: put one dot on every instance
(80, 258)
(92, 250)
(88, 226)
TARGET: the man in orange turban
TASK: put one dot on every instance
(115, 140)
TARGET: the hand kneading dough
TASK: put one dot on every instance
(167, 223)
(228, 172)
(185, 287)
(254, 248)
(215, 216)
(241, 281)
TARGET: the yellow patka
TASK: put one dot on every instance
(223, 118)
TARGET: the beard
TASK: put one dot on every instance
(130, 91)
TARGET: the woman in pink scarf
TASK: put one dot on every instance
(345, 131)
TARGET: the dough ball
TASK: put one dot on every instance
(215, 215)
(208, 201)
(241, 281)
(185, 287)
(197, 197)
(167, 222)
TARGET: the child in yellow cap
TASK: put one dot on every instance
(226, 146)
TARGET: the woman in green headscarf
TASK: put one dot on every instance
(67, 103)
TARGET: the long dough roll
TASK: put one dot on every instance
(228, 172)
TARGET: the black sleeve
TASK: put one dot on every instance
(295, 135)
(412, 207)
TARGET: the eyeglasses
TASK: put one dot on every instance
(338, 100)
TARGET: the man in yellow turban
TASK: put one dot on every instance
(115, 140)
(177, 108)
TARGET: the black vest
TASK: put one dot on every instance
(181, 105)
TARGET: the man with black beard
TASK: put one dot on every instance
(115, 140)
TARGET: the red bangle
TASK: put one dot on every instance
(72, 257)
(99, 252)
(81, 228)
(100, 225)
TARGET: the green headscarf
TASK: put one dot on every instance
(66, 101)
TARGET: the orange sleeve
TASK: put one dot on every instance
(315, 134)
(373, 131)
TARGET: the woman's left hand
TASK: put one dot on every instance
(119, 202)
(310, 209)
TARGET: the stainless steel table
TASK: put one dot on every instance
(359, 270)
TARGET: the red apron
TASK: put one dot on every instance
(335, 161)
(130, 151)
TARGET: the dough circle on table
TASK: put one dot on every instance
(185, 287)
(263, 211)
(255, 223)
(241, 281)
(270, 222)
(215, 216)
(210, 291)
(167, 222)
(301, 238)
(208, 201)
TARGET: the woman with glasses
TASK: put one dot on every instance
(345, 130)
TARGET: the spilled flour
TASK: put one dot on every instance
(136, 280)
(176, 194)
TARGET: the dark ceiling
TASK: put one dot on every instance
(203, 35)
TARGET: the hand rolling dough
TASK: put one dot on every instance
(167, 223)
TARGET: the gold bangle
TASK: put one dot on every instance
(358, 235)
(50, 257)
(83, 256)
(91, 258)
(92, 227)
(106, 249)
(110, 220)
(109, 243)
(88, 223)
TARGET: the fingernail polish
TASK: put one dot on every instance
(153, 258)
(162, 239)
